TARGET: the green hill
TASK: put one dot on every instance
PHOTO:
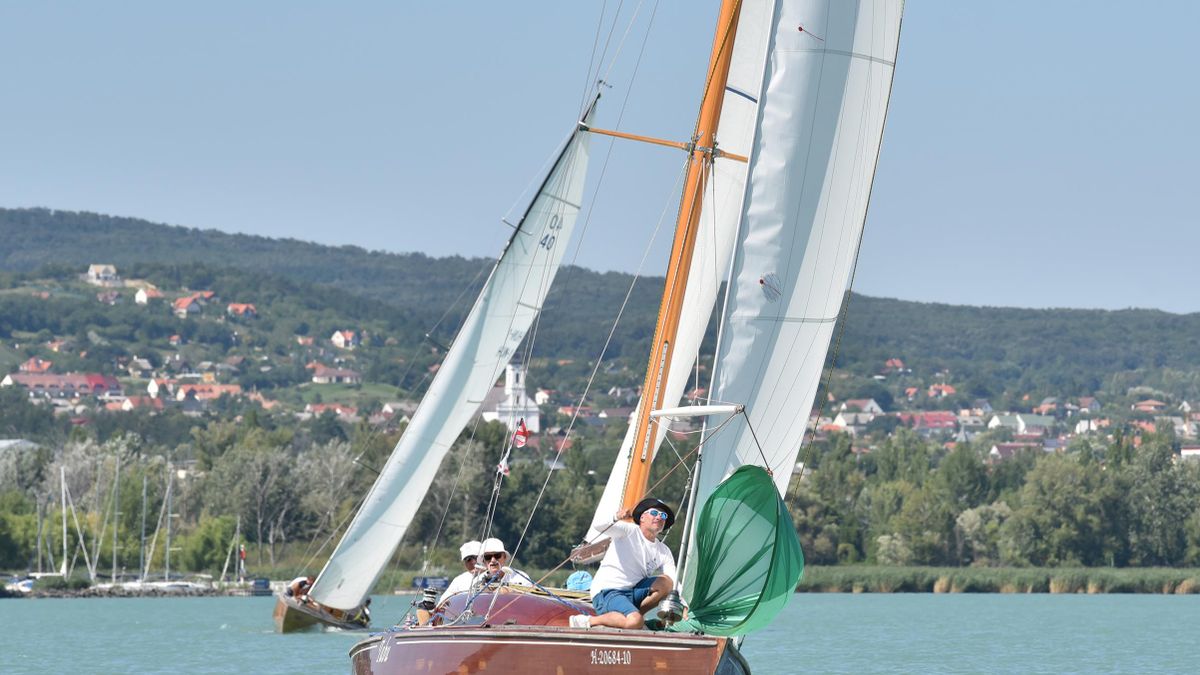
(1001, 353)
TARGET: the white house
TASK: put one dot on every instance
(145, 295)
(345, 339)
(103, 275)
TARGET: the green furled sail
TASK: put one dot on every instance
(747, 557)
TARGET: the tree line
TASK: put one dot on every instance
(913, 502)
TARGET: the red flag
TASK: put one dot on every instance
(520, 435)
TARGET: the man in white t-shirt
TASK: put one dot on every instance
(470, 557)
(626, 585)
(496, 557)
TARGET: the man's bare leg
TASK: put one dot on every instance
(658, 590)
(631, 621)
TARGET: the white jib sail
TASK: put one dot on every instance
(827, 82)
(503, 312)
(720, 212)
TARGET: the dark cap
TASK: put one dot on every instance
(652, 503)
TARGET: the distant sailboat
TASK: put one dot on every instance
(806, 87)
(504, 311)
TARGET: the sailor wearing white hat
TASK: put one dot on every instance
(469, 552)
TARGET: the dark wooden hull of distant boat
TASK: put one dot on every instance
(527, 634)
(292, 616)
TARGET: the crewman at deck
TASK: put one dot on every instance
(469, 552)
(495, 557)
(626, 586)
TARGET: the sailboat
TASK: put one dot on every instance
(506, 307)
(780, 169)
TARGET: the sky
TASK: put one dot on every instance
(1037, 154)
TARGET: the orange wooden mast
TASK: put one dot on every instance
(686, 226)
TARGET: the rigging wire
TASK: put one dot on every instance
(587, 82)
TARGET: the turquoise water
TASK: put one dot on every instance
(818, 633)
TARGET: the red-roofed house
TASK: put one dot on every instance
(911, 392)
(345, 339)
(145, 295)
(929, 422)
(323, 374)
(941, 391)
(35, 365)
(241, 309)
(186, 306)
(343, 411)
(1003, 451)
(867, 405)
(1150, 406)
(72, 385)
(141, 403)
(206, 391)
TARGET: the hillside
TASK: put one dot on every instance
(1001, 353)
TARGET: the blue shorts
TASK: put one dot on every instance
(623, 600)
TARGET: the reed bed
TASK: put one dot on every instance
(883, 579)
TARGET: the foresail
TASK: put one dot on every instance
(828, 79)
(495, 327)
(719, 217)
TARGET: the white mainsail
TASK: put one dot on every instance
(722, 206)
(827, 83)
(503, 312)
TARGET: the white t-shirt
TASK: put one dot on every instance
(458, 584)
(463, 582)
(630, 558)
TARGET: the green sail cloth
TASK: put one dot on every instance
(747, 559)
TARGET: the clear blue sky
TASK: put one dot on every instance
(1038, 154)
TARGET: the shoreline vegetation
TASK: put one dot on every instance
(1092, 580)
(816, 579)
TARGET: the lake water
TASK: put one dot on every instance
(817, 633)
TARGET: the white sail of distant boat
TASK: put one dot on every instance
(505, 309)
(718, 225)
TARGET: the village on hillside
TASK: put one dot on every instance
(177, 376)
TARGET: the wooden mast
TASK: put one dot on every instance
(686, 226)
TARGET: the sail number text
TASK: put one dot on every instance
(612, 657)
(548, 239)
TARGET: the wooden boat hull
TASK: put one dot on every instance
(533, 650)
(292, 616)
(524, 631)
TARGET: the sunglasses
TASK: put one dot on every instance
(470, 559)
(488, 557)
(655, 513)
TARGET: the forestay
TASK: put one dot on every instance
(827, 82)
(722, 206)
(503, 312)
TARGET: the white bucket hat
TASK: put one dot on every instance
(494, 545)
(471, 548)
